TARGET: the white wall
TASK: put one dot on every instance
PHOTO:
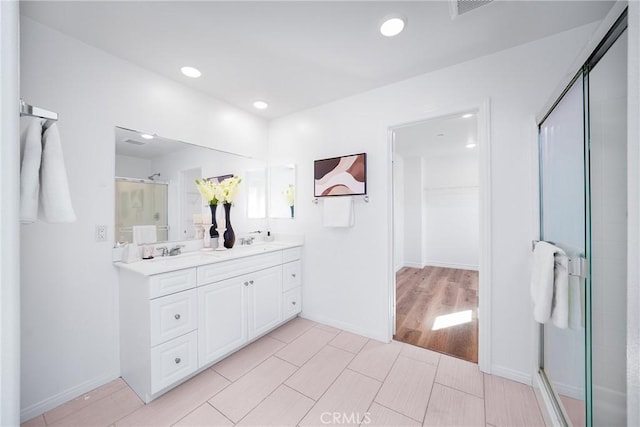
(413, 237)
(451, 211)
(9, 228)
(132, 167)
(69, 286)
(353, 291)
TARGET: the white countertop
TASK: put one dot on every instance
(159, 265)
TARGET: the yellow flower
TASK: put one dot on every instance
(289, 193)
(228, 189)
(208, 190)
(223, 192)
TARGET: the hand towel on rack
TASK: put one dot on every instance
(54, 195)
(143, 234)
(546, 272)
(560, 306)
(30, 157)
(338, 211)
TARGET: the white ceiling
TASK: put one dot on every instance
(300, 54)
(445, 136)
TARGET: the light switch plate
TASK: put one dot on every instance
(101, 233)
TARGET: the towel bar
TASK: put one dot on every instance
(365, 198)
(29, 110)
(577, 265)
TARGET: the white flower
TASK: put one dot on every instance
(223, 192)
(208, 190)
(290, 194)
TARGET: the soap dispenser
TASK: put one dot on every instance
(131, 253)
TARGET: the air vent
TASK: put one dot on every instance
(459, 7)
(134, 141)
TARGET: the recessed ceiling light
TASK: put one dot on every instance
(261, 105)
(392, 26)
(471, 145)
(146, 136)
(194, 73)
(467, 116)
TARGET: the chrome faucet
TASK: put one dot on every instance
(163, 250)
(176, 250)
(246, 240)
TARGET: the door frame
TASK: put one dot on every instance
(483, 109)
(9, 217)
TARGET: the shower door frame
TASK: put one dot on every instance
(541, 381)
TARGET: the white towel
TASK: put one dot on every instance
(143, 234)
(544, 275)
(338, 211)
(30, 157)
(560, 305)
(54, 194)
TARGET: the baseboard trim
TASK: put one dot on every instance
(65, 396)
(451, 265)
(511, 374)
(413, 265)
(344, 326)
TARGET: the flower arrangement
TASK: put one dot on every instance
(290, 194)
(219, 192)
(227, 190)
(207, 189)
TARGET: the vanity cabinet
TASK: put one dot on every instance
(158, 329)
(176, 323)
(237, 310)
(291, 282)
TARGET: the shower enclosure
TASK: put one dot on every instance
(140, 202)
(583, 207)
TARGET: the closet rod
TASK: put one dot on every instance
(31, 111)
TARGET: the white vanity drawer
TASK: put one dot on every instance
(172, 316)
(169, 283)
(237, 267)
(173, 360)
(291, 254)
(292, 302)
(291, 275)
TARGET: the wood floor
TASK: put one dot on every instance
(425, 297)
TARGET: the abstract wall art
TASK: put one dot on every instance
(341, 176)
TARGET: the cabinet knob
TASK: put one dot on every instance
(251, 281)
(177, 316)
(178, 360)
(246, 283)
(293, 274)
(293, 302)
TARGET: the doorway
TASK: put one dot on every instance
(436, 174)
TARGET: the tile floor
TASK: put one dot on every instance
(308, 374)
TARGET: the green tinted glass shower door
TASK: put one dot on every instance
(563, 221)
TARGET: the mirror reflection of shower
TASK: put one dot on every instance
(154, 176)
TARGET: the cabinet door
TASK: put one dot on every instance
(265, 300)
(222, 319)
(292, 302)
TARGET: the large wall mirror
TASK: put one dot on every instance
(155, 186)
(282, 191)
